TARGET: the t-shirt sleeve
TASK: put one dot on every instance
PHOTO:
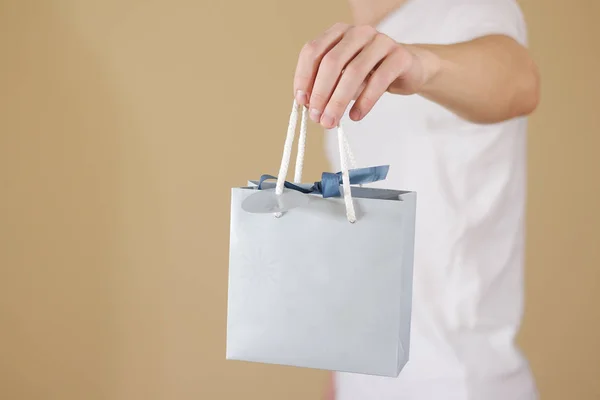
(469, 19)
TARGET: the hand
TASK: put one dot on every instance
(356, 62)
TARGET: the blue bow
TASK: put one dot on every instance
(329, 185)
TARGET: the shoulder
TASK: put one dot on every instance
(453, 21)
(470, 19)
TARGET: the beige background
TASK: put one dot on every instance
(123, 124)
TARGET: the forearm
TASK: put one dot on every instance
(486, 80)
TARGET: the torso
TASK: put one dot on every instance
(470, 184)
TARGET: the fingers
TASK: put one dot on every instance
(354, 77)
(309, 59)
(393, 67)
(346, 62)
(330, 72)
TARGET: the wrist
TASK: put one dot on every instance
(429, 63)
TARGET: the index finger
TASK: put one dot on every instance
(309, 59)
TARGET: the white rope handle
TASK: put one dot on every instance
(344, 147)
(346, 157)
(287, 150)
(351, 159)
(301, 147)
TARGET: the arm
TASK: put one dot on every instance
(486, 80)
(489, 79)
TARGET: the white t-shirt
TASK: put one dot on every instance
(470, 184)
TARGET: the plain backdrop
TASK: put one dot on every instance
(123, 125)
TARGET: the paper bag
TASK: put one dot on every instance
(308, 288)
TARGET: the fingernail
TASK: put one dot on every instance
(301, 97)
(355, 114)
(327, 121)
(315, 115)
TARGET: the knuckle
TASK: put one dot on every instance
(365, 30)
(310, 48)
(340, 26)
(317, 99)
(338, 104)
(331, 61)
(367, 100)
(358, 72)
(385, 40)
(380, 80)
(403, 65)
(353, 70)
(401, 55)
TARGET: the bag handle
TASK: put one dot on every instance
(302, 147)
(346, 157)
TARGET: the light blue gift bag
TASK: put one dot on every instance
(320, 275)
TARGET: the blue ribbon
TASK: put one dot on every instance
(329, 185)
